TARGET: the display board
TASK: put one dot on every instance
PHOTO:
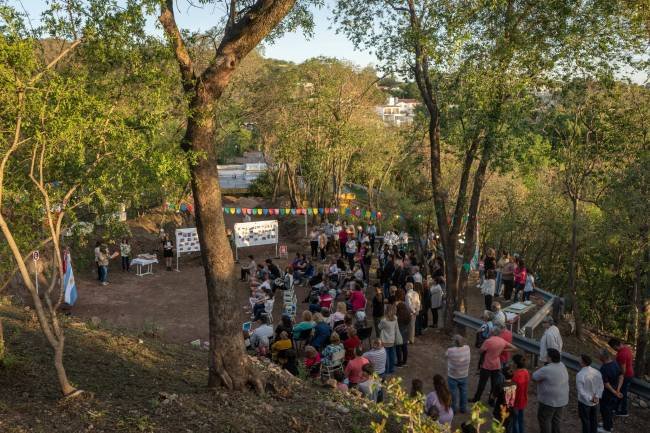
(187, 241)
(254, 233)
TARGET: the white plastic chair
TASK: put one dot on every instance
(336, 364)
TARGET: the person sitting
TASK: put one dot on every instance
(261, 337)
(499, 315)
(343, 328)
(307, 324)
(285, 325)
(260, 303)
(377, 357)
(322, 332)
(325, 300)
(369, 386)
(287, 359)
(248, 269)
(417, 388)
(312, 361)
(357, 299)
(351, 344)
(273, 269)
(340, 381)
(440, 397)
(329, 353)
(283, 342)
(339, 314)
(353, 369)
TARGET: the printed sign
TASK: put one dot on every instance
(256, 233)
(187, 241)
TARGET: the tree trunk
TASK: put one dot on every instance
(229, 365)
(2, 342)
(642, 306)
(573, 287)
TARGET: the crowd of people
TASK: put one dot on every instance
(349, 340)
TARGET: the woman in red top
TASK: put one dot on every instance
(351, 343)
(521, 377)
(357, 299)
(520, 278)
(343, 239)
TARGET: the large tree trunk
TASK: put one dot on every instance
(573, 287)
(229, 365)
(228, 362)
(2, 342)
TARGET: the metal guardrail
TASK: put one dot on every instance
(638, 386)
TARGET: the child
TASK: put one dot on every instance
(340, 381)
(530, 285)
(488, 287)
(416, 388)
(505, 399)
(521, 378)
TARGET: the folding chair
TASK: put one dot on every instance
(268, 310)
(337, 364)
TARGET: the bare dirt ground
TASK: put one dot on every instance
(173, 305)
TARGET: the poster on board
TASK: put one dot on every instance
(256, 233)
(187, 241)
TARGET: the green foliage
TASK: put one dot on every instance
(405, 413)
(262, 186)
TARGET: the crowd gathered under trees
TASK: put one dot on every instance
(530, 126)
(347, 340)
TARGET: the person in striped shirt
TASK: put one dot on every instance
(458, 359)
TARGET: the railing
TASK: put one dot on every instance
(638, 386)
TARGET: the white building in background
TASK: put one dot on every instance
(240, 176)
(398, 111)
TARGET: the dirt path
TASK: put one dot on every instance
(175, 305)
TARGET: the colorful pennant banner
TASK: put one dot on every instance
(359, 213)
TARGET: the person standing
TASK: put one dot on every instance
(490, 368)
(372, 235)
(390, 337)
(488, 288)
(530, 285)
(414, 305)
(625, 361)
(404, 325)
(378, 302)
(168, 251)
(98, 245)
(248, 270)
(520, 278)
(552, 339)
(508, 278)
(503, 261)
(103, 260)
(436, 297)
(343, 239)
(125, 253)
(612, 383)
(322, 246)
(552, 393)
(313, 242)
(589, 386)
(521, 378)
(458, 360)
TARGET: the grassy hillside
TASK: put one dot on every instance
(137, 384)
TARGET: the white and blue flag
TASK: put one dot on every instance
(69, 284)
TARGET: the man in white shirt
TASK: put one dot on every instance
(552, 393)
(414, 305)
(417, 276)
(261, 336)
(550, 340)
(589, 384)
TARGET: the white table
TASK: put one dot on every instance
(515, 311)
(147, 263)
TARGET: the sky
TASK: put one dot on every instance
(293, 47)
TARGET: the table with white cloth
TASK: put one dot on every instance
(146, 263)
(515, 311)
